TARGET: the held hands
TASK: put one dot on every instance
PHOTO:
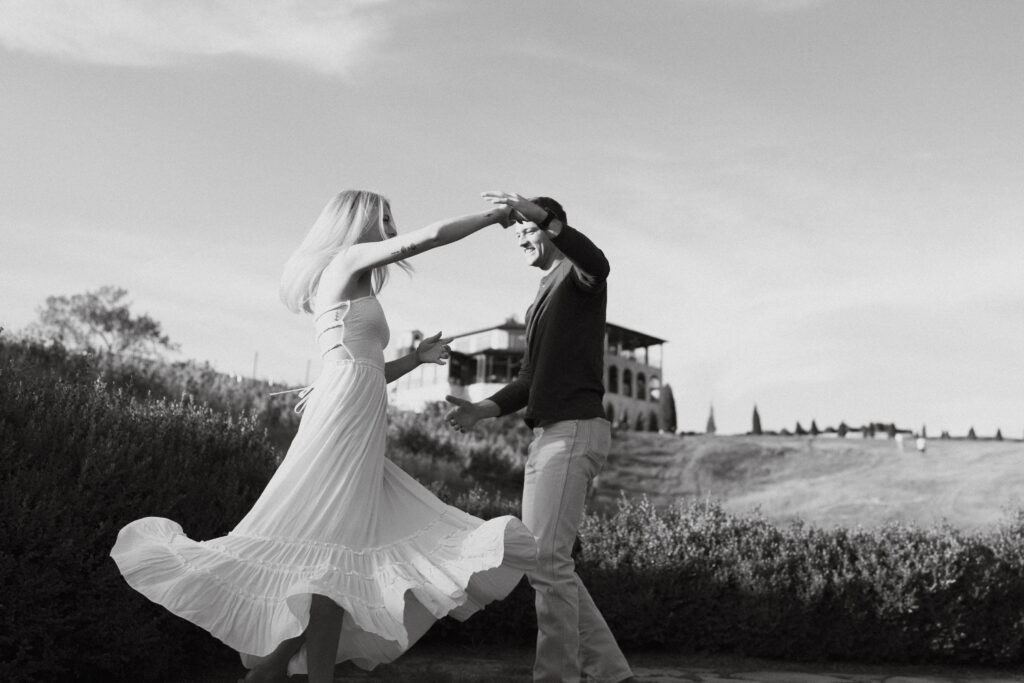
(522, 209)
(506, 216)
(433, 350)
(464, 416)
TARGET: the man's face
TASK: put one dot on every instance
(536, 245)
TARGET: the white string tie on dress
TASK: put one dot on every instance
(303, 396)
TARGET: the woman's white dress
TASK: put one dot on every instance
(337, 519)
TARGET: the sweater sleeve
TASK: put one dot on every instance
(515, 394)
(589, 265)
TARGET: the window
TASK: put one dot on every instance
(627, 382)
(641, 386)
(497, 369)
(613, 380)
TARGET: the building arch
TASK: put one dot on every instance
(654, 388)
(613, 379)
(641, 386)
(627, 382)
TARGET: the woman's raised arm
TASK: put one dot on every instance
(366, 255)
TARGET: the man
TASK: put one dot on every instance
(561, 386)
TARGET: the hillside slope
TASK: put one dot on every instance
(824, 481)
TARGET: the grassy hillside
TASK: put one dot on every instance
(824, 481)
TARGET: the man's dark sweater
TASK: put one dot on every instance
(563, 368)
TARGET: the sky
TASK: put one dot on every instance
(817, 203)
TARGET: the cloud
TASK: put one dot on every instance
(325, 36)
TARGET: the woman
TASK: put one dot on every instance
(344, 556)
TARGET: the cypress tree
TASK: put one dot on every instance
(668, 409)
(710, 428)
(756, 426)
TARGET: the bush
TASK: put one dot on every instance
(145, 378)
(694, 578)
(491, 456)
(79, 458)
(78, 461)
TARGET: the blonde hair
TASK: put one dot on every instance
(348, 216)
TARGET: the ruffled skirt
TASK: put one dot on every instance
(337, 519)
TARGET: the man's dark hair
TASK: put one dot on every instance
(549, 204)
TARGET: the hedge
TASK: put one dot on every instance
(79, 458)
(700, 579)
(77, 462)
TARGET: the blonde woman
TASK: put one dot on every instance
(344, 556)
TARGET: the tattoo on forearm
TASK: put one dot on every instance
(404, 250)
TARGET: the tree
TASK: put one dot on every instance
(100, 320)
(843, 429)
(652, 421)
(924, 432)
(710, 428)
(971, 434)
(755, 428)
(814, 428)
(999, 434)
(799, 431)
(667, 405)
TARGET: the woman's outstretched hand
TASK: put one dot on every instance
(506, 216)
(522, 208)
(433, 350)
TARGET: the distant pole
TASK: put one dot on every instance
(255, 362)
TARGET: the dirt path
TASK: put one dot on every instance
(441, 664)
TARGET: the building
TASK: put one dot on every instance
(487, 359)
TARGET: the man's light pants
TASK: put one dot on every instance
(571, 633)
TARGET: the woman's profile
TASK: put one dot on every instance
(344, 556)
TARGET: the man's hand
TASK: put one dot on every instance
(464, 416)
(519, 204)
(433, 350)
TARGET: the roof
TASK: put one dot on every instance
(628, 339)
(510, 325)
(631, 339)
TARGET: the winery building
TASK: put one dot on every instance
(484, 360)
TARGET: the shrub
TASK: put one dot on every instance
(492, 455)
(693, 578)
(78, 460)
(145, 378)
